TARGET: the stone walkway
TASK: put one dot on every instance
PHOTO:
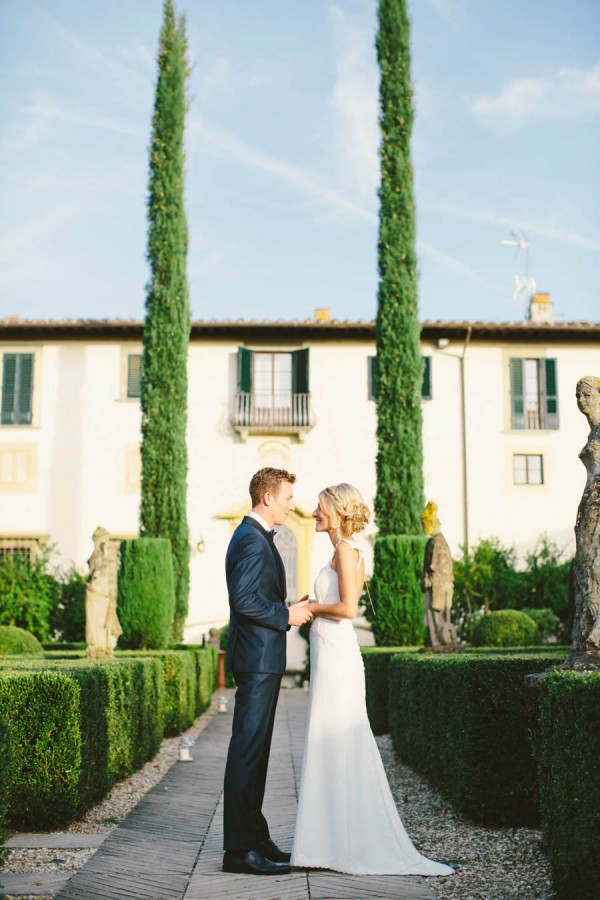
(170, 846)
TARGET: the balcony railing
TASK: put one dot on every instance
(278, 413)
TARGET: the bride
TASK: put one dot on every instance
(347, 818)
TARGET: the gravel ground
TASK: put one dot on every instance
(104, 817)
(495, 863)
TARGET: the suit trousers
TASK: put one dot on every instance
(244, 825)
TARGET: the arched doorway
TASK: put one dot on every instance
(287, 544)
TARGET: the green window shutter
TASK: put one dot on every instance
(550, 393)
(24, 388)
(426, 386)
(134, 374)
(17, 388)
(300, 372)
(244, 370)
(9, 367)
(372, 361)
(517, 393)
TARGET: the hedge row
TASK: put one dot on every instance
(75, 726)
(377, 669)
(569, 743)
(463, 721)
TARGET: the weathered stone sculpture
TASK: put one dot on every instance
(437, 582)
(585, 649)
(102, 627)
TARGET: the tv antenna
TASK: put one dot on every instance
(524, 283)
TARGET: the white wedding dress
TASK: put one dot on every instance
(347, 818)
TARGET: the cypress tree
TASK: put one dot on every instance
(399, 500)
(167, 323)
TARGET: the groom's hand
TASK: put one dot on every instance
(299, 613)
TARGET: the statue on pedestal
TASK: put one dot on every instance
(585, 649)
(102, 627)
(437, 582)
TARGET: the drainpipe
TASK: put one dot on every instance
(464, 438)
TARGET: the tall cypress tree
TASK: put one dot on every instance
(163, 510)
(399, 500)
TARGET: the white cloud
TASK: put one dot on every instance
(568, 94)
(457, 267)
(307, 183)
(542, 229)
(355, 104)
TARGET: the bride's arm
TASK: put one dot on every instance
(348, 586)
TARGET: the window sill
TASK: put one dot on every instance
(299, 431)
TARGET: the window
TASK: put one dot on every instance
(426, 391)
(17, 388)
(272, 391)
(528, 468)
(18, 549)
(134, 374)
(533, 394)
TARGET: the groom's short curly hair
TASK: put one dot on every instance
(268, 481)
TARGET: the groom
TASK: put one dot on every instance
(256, 655)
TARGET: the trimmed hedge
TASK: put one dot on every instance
(123, 708)
(463, 721)
(120, 719)
(570, 781)
(396, 590)
(146, 599)
(17, 640)
(5, 763)
(505, 628)
(377, 684)
(181, 686)
(41, 710)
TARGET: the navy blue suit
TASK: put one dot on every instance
(256, 655)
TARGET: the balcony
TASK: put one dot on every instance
(272, 413)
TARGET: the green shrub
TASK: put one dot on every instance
(546, 579)
(5, 765)
(463, 721)
(27, 593)
(467, 625)
(505, 628)
(207, 664)
(146, 601)
(396, 590)
(67, 616)
(377, 672)
(120, 719)
(180, 686)
(65, 646)
(547, 622)
(570, 781)
(41, 710)
(17, 640)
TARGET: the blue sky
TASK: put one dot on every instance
(282, 166)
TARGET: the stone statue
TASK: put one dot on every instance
(102, 627)
(585, 649)
(437, 582)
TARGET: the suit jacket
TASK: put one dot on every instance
(258, 619)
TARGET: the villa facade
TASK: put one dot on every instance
(501, 433)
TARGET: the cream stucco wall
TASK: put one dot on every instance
(85, 433)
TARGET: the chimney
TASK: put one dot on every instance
(540, 309)
(322, 315)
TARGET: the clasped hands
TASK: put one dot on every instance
(300, 612)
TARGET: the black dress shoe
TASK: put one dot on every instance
(270, 850)
(253, 863)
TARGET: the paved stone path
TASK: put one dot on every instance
(170, 846)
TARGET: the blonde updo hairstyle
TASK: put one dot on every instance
(345, 508)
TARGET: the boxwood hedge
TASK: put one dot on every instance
(570, 781)
(464, 722)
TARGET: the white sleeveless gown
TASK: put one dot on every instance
(347, 818)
